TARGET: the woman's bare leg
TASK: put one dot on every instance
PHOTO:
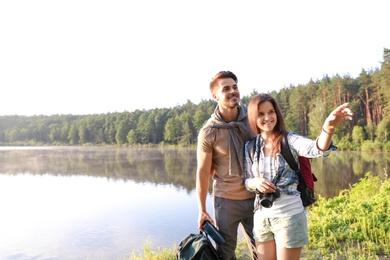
(266, 250)
(289, 253)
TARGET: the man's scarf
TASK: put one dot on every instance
(238, 134)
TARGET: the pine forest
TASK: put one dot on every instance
(305, 108)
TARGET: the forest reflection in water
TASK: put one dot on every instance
(172, 166)
(107, 201)
(154, 165)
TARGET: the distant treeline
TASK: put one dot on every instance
(305, 108)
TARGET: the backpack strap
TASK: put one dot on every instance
(251, 148)
(286, 152)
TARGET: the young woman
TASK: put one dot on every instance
(280, 230)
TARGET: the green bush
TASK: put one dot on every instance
(369, 146)
(354, 224)
(386, 147)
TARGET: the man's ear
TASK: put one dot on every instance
(214, 97)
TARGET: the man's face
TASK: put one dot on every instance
(226, 93)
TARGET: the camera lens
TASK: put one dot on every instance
(266, 203)
(268, 199)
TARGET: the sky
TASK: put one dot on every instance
(94, 56)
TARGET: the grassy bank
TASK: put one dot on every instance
(353, 225)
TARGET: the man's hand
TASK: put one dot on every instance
(203, 216)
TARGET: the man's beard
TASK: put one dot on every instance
(235, 104)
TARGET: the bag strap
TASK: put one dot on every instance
(251, 148)
(286, 152)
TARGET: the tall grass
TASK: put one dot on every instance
(353, 225)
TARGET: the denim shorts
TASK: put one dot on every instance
(288, 232)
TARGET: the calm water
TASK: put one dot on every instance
(103, 203)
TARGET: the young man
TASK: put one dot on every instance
(220, 153)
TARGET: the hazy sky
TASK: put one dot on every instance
(93, 56)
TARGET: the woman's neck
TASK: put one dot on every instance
(268, 143)
(267, 136)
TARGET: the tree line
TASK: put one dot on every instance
(304, 107)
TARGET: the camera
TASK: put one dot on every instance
(267, 200)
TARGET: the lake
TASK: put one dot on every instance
(104, 203)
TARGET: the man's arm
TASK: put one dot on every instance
(202, 184)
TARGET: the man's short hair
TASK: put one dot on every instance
(222, 75)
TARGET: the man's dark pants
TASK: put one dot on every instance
(228, 215)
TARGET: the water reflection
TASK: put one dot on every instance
(172, 166)
(160, 166)
(82, 217)
(52, 218)
(102, 203)
(341, 170)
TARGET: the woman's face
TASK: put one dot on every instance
(266, 117)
